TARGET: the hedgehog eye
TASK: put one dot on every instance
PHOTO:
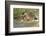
(23, 13)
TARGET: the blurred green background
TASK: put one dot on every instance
(19, 11)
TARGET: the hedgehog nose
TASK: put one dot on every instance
(35, 18)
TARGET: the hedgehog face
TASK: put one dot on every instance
(27, 16)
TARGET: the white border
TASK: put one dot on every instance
(25, 28)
